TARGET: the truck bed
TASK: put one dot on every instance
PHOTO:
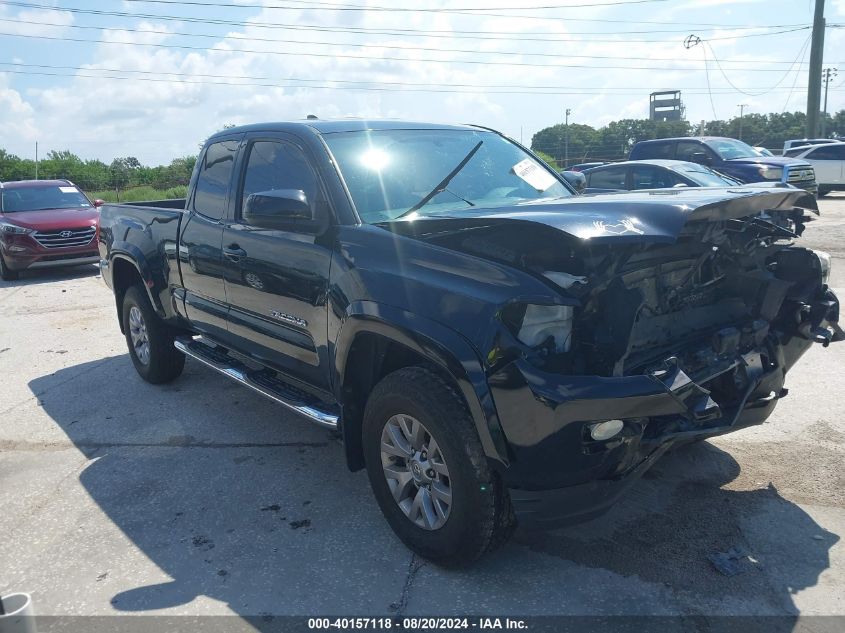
(144, 235)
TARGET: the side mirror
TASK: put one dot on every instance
(98, 203)
(702, 158)
(281, 209)
(576, 180)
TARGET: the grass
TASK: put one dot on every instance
(137, 194)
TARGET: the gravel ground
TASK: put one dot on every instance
(201, 498)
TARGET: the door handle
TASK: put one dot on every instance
(234, 252)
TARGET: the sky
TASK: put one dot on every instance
(153, 78)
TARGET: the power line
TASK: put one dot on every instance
(377, 45)
(168, 75)
(361, 57)
(375, 87)
(709, 89)
(755, 94)
(308, 5)
(794, 81)
(357, 7)
(406, 32)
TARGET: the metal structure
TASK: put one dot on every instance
(566, 140)
(814, 83)
(827, 75)
(665, 106)
(741, 107)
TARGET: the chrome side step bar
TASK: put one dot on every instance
(263, 381)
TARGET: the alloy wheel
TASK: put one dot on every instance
(416, 472)
(139, 336)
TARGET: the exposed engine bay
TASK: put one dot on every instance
(723, 285)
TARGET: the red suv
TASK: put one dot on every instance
(45, 224)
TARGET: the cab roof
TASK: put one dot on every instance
(331, 126)
(658, 162)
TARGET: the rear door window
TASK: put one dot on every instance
(687, 148)
(828, 152)
(651, 177)
(655, 150)
(607, 178)
(215, 177)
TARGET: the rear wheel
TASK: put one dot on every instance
(5, 273)
(428, 471)
(150, 340)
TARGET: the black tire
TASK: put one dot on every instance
(480, 516)
(164, 362)
(5, 273)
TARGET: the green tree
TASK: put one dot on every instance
(552, 141)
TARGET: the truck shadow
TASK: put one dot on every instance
(233, 505)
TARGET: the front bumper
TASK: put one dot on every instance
(810, 187)
(559, 475)
(22, 252)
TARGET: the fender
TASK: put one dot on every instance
(155, 284)
(437, 343)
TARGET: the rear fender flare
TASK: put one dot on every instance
(135, 257)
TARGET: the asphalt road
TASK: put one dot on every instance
(117, 497)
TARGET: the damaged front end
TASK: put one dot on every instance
(656, 342)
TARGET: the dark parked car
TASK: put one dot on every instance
(584, 166)
(653, 174)
(491, 347)
(730, 157)
(575, 179)
(45, 224)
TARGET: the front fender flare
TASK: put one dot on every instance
(440, 345)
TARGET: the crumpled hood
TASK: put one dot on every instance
(637, 216)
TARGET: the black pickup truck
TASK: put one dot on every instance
(493, 348)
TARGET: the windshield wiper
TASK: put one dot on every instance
(441, 186)
(472, 204)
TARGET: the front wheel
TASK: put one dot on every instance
(150, 340)
(428, 471)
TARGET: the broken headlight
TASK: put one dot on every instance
(540, 325)
(824, 264)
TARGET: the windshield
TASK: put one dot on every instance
(730, 148)
(40, 197)
(706, 177)
(389, 172)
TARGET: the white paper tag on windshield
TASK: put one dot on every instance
(67, 189)
(533, 174)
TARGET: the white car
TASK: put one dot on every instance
(801, 142)
(828, 160)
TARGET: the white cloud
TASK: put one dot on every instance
(16, 115)
(45, 22)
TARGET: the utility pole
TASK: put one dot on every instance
(742, 107)
(566, 140)
(36, 160)
(814, 83)
(827, 75)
